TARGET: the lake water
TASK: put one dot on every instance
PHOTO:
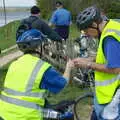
(11, 16)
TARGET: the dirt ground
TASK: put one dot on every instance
(7, 58)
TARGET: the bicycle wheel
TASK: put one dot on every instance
(83, 107)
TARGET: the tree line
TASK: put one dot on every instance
(111, 7)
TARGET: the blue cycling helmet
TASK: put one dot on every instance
(30, 40)
(87, 17)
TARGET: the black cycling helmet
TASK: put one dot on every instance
(35, 10)
(30, 40)
(87, 17)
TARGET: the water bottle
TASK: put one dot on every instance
(111, 111)
(51, 114)
(67, 116)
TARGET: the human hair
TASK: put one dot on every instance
(59, 3)
(35, 10)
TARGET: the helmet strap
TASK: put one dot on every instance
(97, 28)
(99, 32)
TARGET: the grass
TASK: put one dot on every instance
(7, 39)
(8, 35)
(2, 76)
(3, 72)
(74, 32)
(71, 92)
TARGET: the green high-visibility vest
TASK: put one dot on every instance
(106, 83)
(22, 99)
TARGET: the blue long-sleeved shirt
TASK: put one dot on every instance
(53, 81)
(112, 52)
(61, 17)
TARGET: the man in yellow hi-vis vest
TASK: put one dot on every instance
(107, 65)
(28, 80)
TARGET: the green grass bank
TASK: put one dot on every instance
(8, 35)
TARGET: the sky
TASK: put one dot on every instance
(14, 3)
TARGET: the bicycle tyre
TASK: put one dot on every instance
(79, 112)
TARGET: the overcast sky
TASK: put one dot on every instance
(18, 3)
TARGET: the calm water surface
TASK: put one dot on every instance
(11, 16)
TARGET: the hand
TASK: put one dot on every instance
(81, 62)
(89, 59)
(70, 65)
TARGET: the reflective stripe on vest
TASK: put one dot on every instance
(106, 82)
(113, 30)
(20, 102)
(17, 93)
(33, 75)
(29, 85)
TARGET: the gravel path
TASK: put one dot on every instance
(7, 58)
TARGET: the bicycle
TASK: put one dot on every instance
(55, 53)
(66, 110)
(86, 47)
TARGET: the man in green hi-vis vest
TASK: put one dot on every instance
(107, 65)
(28, 81)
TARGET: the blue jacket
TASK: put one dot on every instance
(61, 17)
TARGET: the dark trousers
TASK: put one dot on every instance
(93, 116)
(63, 31)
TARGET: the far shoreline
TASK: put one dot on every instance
(15, 9)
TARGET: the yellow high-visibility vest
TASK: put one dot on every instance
(22, 99)
(106, 83)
